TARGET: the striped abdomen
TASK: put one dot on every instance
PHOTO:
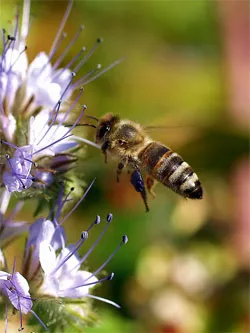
(170, 169)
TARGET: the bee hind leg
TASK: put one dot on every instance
(150, 184)
(138, 183)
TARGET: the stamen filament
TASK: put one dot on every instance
(110, 277)
(59, 60)
(78, 203)
(103, 71)
(123, 241)
(39, 319)
(88, 55)
(63, 22)
(104, 300)
(93, 246)
(58, 74)
(62, 138)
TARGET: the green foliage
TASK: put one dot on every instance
(60, 316)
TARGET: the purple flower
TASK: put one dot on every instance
(62, 274)
(26, 88)
(49, 231)
(16, 289)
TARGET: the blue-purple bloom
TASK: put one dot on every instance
(38, 145)
(15, 288)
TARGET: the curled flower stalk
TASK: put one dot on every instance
(39, 150)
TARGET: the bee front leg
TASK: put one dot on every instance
(104, 149)
(120, 166)
(150, 183)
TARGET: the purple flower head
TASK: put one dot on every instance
(15, 288)
(49, 230)
(62, 274)
(26, 88)
(44, 140)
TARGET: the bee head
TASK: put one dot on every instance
(104, 127)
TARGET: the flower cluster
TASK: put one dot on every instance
(51, 269)
(38, 146)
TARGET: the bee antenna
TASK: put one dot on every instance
(93, 117)
(91, 125)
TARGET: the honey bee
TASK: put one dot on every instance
(134, 148)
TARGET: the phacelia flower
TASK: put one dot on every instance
(40, 92)
(15, 288)
(62, 274)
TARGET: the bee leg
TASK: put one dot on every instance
(150, 183)
(120, 166)
(104, 149)
(138, 183)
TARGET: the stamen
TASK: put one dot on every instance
(51, 55)
(103, 300)
(110, 277)
(93, 245)
(59, 60)
(63, 22)
(40, 320)
(103, 71)
(97, 221)
(84, 236)
(6, 317)
(58, 74)
(70, 109)
(60, 205)
(78, 83)
(21, 315)
(78, 203)
(64, 137)
(88, 55)
(109, 217)
(84, 108)
(53, 121)
(123, 241)
(9, 144)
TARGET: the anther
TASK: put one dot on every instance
(125, 239)
(72, 189)
(97, 219)
(7, 156)
(84, 235)
(109, 217)
(11, 38)
(111, 276)
(99, 40)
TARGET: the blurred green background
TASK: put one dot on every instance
(186, 265)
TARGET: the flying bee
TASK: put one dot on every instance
(129, 142)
